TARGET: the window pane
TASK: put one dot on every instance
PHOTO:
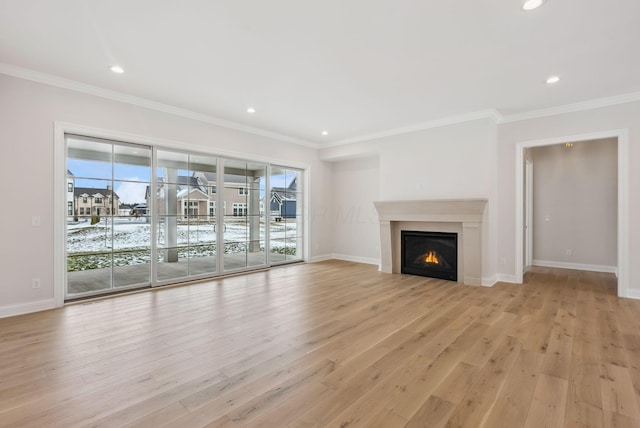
(235, 255)
(132, 163)
(109, 217)
(88, 272)
(202, 258)
(87, 158)
(173, 263)
(256, 253)
(285, 208)
(171, 165)
(293, 249)
(278, 249)
(131, 267)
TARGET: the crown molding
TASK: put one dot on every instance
(571, 108)
(451, 120)
(48, 79)
(492, 114)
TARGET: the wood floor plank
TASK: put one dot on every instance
(618, 395)
(548, 404)
(557, 357)
(331, 344)
(513, 401)
(435, 412)
(479, 399)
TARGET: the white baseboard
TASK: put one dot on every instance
(576, 266)
(633, 294)
(26, 308)
(321, 258)
(356, 259)
(507, 278)
(346, 258)
(489, 281)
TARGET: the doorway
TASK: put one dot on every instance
(622, 200)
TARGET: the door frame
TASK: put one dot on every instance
(623, 199)
(60, 179)
(528, 224)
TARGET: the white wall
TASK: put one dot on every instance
(448, 162)
(622, 116)
(474, 159)
(575, 204)
(356, 234)
(478, 159)
(28, 111)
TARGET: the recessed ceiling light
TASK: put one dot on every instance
(117, 69)
(251, 110)
(532, 4)
(325, 132)
(553, 79)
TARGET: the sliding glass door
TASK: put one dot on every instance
(186, 226)
(244, 186)
(142, 216)
(108, 246)
(286, 227)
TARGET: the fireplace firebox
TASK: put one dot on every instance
(432, 254)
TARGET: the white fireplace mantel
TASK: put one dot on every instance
(462, 216)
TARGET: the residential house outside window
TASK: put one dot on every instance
(239, 209)
(69, 187)
(184, 235)
(191, 209)
(69, 208)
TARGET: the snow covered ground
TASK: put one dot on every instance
(133, 235)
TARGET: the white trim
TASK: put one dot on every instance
(59, 190)
(59, 215)
(489, 281)
(633, 294)
(306, 211)
(322, 258)
(451, 120)
(162, 143)
(26, 308)
(623, 199)
(508, 278)
(493, 114)
(356, 259)
(623, 213)
(576, 266)
(529, 212)
(571, 108)
(59, 82)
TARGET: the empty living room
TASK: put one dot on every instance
(321, 213)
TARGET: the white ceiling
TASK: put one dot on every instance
(352, 67)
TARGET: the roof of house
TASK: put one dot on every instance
(211, 178)
(289, 190)
(91, 191)
(183, 182)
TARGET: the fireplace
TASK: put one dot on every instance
(462, 216)
(432, 254)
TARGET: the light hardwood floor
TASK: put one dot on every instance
(331, 344)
